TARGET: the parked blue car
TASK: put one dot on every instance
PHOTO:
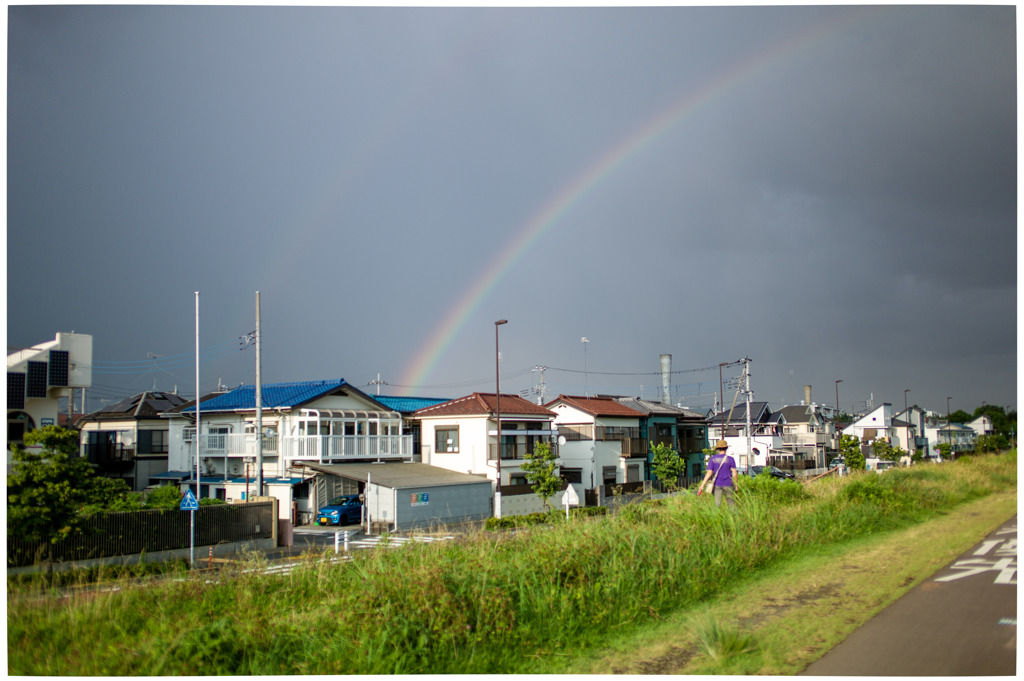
(343, 510)
(772, 471)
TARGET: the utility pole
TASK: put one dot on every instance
(259, 407)
(378, 383)
(540, 390)
(746, 378)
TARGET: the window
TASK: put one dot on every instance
(517, 479)
(446, 440)
(18, 423)
(608, 475)
(572, 475)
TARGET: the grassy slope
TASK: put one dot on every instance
(533, 602)
(798, 610)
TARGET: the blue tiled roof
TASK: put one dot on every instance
(407, 405)
(272, 395)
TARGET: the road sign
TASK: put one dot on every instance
(188, 502)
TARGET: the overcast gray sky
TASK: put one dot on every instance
(830, 191)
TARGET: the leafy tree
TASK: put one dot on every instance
(996, 442)
(944, 448)
(165, 496)
(884, 450)
(1002, 421)
(539, 466)
(667, 465)
(960, 416)
(849, 448)
(47, 489)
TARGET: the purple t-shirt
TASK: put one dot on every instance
(722, 466)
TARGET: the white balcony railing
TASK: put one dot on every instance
(320, 448)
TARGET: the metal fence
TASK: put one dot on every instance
(122, 534)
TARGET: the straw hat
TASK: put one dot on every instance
(722, 444)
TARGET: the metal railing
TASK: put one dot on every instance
(308, 447)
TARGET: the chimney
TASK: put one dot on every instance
(807, 394)
(666, 378)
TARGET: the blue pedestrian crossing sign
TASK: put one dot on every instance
(188, 502)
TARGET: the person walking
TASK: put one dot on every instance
(723, 468)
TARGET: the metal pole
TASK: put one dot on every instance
(497, 387)
(192, 514)
(746, 376)
(259, 407)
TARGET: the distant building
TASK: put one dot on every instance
(39, 376)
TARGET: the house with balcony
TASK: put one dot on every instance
(806, 433)
(311, 422)
(39, 377)
(914, 439)
(764, 439)
(599, 441)
(681, 429)
(462, 435)
(981, 426)
(130, 439)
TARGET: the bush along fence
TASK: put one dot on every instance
(122, 534)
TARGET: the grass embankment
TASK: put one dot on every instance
(534, 602)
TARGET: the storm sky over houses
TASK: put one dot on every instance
(830, 191)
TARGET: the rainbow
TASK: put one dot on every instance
(584, 185)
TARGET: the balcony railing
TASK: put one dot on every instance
(634, 447)
(108, 452)
(320, 448)
(516, 451)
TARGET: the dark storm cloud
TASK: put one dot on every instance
(847, 209)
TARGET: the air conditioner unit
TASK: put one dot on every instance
(235, 469)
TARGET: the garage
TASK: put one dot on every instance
(406, 496)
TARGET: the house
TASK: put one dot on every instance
(914, 440)
(981, 426)
(764, 443)
(959, 437)
(322, 422)
(129, 439)
(879, 423)
(39, 377)
(599, 441)
(461, 435)
(407, 406)
(679, 428)
(806, 433)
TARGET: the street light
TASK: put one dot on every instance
(949, 430)
(586, 390)
(497, 387)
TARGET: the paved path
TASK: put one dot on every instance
(962, 621)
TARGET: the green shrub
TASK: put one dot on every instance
(773, 490)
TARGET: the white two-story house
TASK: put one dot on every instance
(599, 440)
(39, 377)
(315, 422)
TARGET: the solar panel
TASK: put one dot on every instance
(35, 384)
(15, 390)
(59, 367)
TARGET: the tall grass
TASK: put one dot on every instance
(490, 603)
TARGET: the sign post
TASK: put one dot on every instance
(570, 498)
(189, 503)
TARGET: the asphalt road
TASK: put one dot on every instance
(962, 621)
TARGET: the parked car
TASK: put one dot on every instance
(343, 510)
(772, 471)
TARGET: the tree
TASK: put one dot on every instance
(539, 466)
(884, 450)
(47, 489)
(960, 416)
(995, 442)
(849, 448)
(667, 465)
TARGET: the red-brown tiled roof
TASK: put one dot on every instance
(596, 406)
(482, 404)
